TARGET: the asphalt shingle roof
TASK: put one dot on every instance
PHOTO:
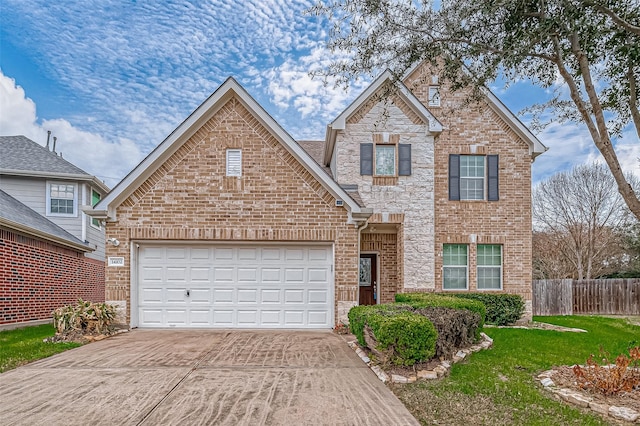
(14, 211)
(23, 154)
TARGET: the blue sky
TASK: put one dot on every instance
(112, 79)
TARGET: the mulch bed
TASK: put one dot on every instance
(563, 377)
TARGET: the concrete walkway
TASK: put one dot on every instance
(203, 377)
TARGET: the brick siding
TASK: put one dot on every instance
(189, 198)
(37, 276)
(476, 127)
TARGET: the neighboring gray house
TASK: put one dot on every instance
(51, 252)
(54, 188)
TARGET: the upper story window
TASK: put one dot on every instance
(473, 177)
(385, 158)
(95, 198)
(62, 199)
(234, 162)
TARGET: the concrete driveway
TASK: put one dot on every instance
(185, 377)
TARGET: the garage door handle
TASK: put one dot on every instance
(187, 293)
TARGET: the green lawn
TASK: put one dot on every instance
(23, 345)
(497, 386)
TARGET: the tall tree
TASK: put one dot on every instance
(580, 221)
(593, 46)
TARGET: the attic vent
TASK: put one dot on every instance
(234, 162)
(339, 203)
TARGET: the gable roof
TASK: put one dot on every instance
(106, 208)
(20, 156)
(535, 146)
(17, 216)
(340, 122)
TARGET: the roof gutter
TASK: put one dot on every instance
(45, 236)
(71, 176)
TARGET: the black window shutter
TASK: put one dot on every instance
(454, 177)
(366, 159)
(492, 184)
(404, 163)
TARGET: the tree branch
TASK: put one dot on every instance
(614, 17)
(633, 99)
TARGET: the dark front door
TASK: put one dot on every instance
(368, 279)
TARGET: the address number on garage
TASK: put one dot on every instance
(115, 261)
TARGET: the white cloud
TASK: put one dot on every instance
(108, 160)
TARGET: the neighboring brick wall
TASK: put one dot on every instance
(409, 196)
(189, 198)
(36, 277)
(507, 221)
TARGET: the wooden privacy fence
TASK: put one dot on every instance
(568, 297)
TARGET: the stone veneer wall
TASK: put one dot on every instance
(507, 221)
(408, 195)
(189, 198)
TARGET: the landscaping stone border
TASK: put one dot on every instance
(437, 372)
(582, 400)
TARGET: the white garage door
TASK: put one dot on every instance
(239, 286)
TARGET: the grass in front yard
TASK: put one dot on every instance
(497, 386)
(24, 345)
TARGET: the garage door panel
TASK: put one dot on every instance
(318, 275)
(176, 253)
(270, 275)
(151, 317)
(200, 317)
(224, 318)
(318, 317)
(200, 274)
(318, 296)
(235, 286)
(294, 275)
(175, 295)
(223, 274)
(247, 317)
(200, 296)
(270, 296)
(221, 295)
(294, 296)
(248, 275)
(151, 295)
(248, 296)
(294, 318)
(176, 317)
(176, 274)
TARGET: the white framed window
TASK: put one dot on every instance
(62, 199)
(455, 261)
(472, 177)
(434, 96)
(95, 198)
(489, 257)
(234, 162)
(386, 160)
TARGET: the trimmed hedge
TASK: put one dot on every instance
(404, 336)
(432, 300)
(457, 328)
(502, 309)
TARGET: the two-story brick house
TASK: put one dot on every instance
(229, 222)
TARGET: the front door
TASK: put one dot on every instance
(368, 279)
